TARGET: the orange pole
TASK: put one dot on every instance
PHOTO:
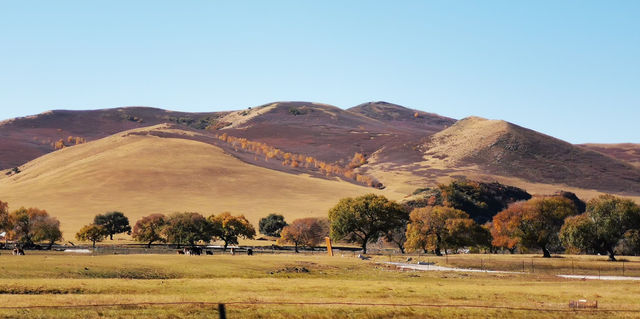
(329, 249)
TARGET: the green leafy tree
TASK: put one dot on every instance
(229, 228)
(542, 220)
(607, 219)
(272, 225)
(187, 228)
(306, 232)
(365, 219)
(148, 229)
(47, 229)
(93, 233)
(398, 236)
(438, 227)
(113, 222)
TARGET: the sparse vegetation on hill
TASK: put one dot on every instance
(502, 148)
(302, 161)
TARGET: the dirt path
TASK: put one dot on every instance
(433, 267)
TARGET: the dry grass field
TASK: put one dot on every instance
(286, 286)
(142, 174)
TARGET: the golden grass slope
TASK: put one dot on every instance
(141, 174)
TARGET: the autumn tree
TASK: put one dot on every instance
(504, 227)
(437, 227)
(186, 228)
(538, 221)
(113, 222)
(93, 233)
(229, 228)
(29, 225)
(365, 219)
(4, 216)
(305, 232)
(480, 200)
(148, 229)
(272, 225)
(607, 219)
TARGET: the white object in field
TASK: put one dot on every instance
(78, 251)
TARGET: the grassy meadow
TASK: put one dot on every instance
(273, 286)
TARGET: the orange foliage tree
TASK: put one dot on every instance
(300, 160)
(535, 223)
(306, 232)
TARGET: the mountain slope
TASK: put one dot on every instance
(23, 139)
(139, 172)
(506, 149)
(627, 152)
(402, 118)
(319, 130)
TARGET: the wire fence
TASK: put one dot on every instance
(318, 304)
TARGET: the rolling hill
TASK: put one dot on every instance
(500, 150)
(627, 152)
(26, 138)
(139, 172)
(146, 160)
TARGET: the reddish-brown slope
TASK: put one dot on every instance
(326, 132)
(627, 152)
(23, 139)
(505, 149)
(402, 118)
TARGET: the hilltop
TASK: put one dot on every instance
(506, 149)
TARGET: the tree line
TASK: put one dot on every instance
(560, 222)
(438, 220)
(302, 161)
(188, 228)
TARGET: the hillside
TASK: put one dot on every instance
(402, 118)
(140, 172)
(627, 152)
(506, 149)
(324, 131)
(26, 138)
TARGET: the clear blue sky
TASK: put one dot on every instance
(570, 69)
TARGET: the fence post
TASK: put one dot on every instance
(573, 272)
(222, 311)
(532, 269)
(623, 268)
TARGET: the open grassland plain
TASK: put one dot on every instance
(289, 286)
